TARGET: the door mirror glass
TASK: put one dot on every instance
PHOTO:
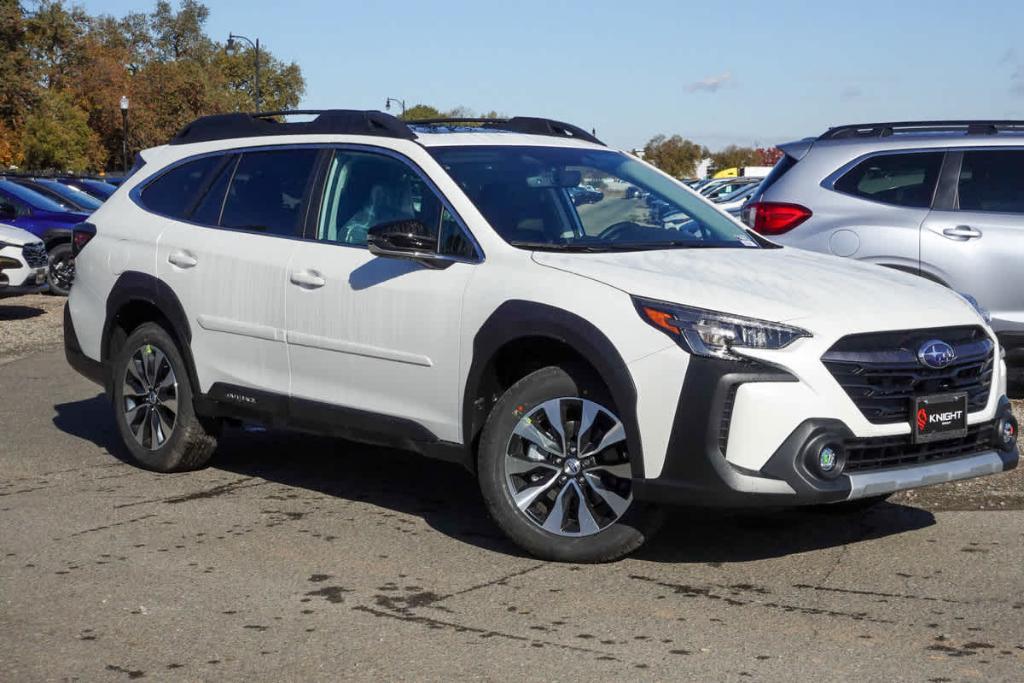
(408, 239)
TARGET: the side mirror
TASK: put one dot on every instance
(7, 211)
(405, 239)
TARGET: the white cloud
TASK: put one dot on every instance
(711, 83)
(851, 92)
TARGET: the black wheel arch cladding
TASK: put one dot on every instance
(135, 287)
(519, 320)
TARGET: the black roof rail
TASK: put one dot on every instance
(517, 124)
(885, 129)
(327, 121)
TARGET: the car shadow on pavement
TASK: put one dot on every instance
(445, 496)
(720, 536)
(8, 313)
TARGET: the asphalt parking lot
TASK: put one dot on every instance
(295, 557)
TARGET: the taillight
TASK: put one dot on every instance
(774, 218)
(80, 236)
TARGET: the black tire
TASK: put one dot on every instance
(852, 507)
(191, 441)
(61, 269)
(637, 524)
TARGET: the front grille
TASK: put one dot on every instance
(883, 452)
(34, 254)
(881, 373)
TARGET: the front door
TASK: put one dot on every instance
(977, 246)
(379, 335)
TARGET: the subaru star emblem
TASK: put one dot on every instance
(936, 354)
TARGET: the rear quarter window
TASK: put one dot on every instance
(898, 179)
(173, 193)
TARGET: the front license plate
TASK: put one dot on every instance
(939, 417)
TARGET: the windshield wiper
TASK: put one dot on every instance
(673, 244)
(558, 246)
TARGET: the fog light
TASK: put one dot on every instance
(830, 461)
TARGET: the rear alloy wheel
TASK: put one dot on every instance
(555, 469)
(61, 272)
(153, 404)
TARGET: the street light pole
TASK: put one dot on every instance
(389, 100)
(232, 37)
(124, 133)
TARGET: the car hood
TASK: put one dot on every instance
(813, 290)
(16, 236)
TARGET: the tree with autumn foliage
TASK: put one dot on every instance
(64, 72)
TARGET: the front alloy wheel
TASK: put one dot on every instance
(566, 467)
(555, 470)
(150, 397)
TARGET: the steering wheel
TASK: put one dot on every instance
(616, 230)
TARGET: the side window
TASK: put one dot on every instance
(211, 204)
(173, 193)
(267, 191)
(453, 240)
(364, 189)
(14, 207)
(992, 181)
(898, 179)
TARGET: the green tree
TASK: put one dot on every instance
(179, 35)
(734, 156)
(54, 36)
(18, 89)
(418, 112)
(57, 136)
(676, 155)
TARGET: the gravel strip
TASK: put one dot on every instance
(30, 323)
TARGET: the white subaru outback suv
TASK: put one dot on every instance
(433, 286)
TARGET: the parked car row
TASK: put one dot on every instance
(48, 208)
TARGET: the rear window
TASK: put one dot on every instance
(268, 190)
(173, 193)
(992, 181)
(780, 169)
(898, 179)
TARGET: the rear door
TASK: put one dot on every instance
(229, 255)
(975, 242)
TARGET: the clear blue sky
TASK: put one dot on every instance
(716, 71)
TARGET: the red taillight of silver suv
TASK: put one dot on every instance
(774, 218)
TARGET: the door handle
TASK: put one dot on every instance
(182, 259)
(307, 279)
(962, 233)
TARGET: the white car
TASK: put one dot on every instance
(22, 262)
(432, 286)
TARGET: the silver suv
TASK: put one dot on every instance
(941, 199)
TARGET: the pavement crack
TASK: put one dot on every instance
(433, 623)
(880, 594)
(199, 495)
(111, 526)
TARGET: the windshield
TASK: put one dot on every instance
(72, 194)
(31, 197)
(584, 200)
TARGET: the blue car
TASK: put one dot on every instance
(97, 188)
(48, 220)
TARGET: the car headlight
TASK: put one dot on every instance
(707, 333)
(982, 311)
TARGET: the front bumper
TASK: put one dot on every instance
(697, 472)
